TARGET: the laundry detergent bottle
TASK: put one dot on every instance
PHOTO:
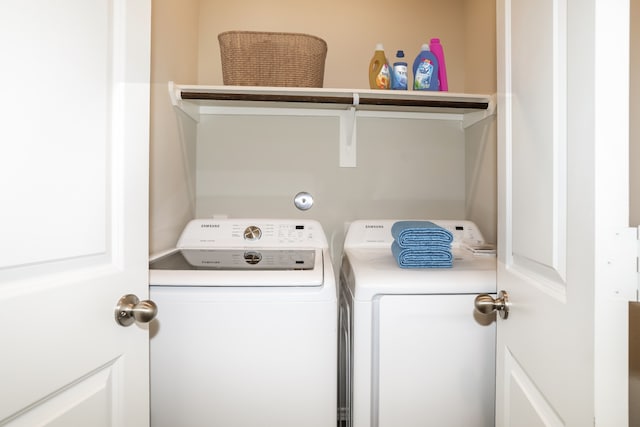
(379, 73)
(425, 70)
(399, 72)
(438, 51)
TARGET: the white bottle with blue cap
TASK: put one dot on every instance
(399, 72)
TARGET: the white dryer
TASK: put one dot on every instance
(246, 331)
(413, 351)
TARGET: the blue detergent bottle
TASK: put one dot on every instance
(425, 70)
(399, 72)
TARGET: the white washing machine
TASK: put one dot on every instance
(246, 331)
(413, 351)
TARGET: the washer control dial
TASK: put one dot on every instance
(252, 257)
(252, 233)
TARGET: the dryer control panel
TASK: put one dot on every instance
(377, 233)
(243, 233)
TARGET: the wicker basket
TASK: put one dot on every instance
(252, 58)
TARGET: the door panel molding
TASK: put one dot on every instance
(542, 277)
(92, 394)
(536, 126)
(523, 397)
(57, 87)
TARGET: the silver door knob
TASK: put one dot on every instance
(486, 304)
(130, 309)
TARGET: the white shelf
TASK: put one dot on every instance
(347, 104)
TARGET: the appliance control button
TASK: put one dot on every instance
(252, 257)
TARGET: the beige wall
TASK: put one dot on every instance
(350, 28)
(185, 49)
(480, 46)
(481, 139)
(634, 215)
(174, 44)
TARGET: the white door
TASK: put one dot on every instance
(73, 217)
(563, 213)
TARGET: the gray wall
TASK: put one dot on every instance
(255, 165)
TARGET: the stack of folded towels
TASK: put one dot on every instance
(421, 244)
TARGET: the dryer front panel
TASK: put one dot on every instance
(433, 362)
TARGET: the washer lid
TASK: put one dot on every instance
(236, 259)
(238, 267)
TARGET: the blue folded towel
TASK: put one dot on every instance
(431, 256)
(420, 233)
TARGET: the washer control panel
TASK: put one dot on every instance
(245, 233)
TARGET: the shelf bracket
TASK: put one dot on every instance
(471, 119)
(348, 154)
(348, 138)
(189, 109)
